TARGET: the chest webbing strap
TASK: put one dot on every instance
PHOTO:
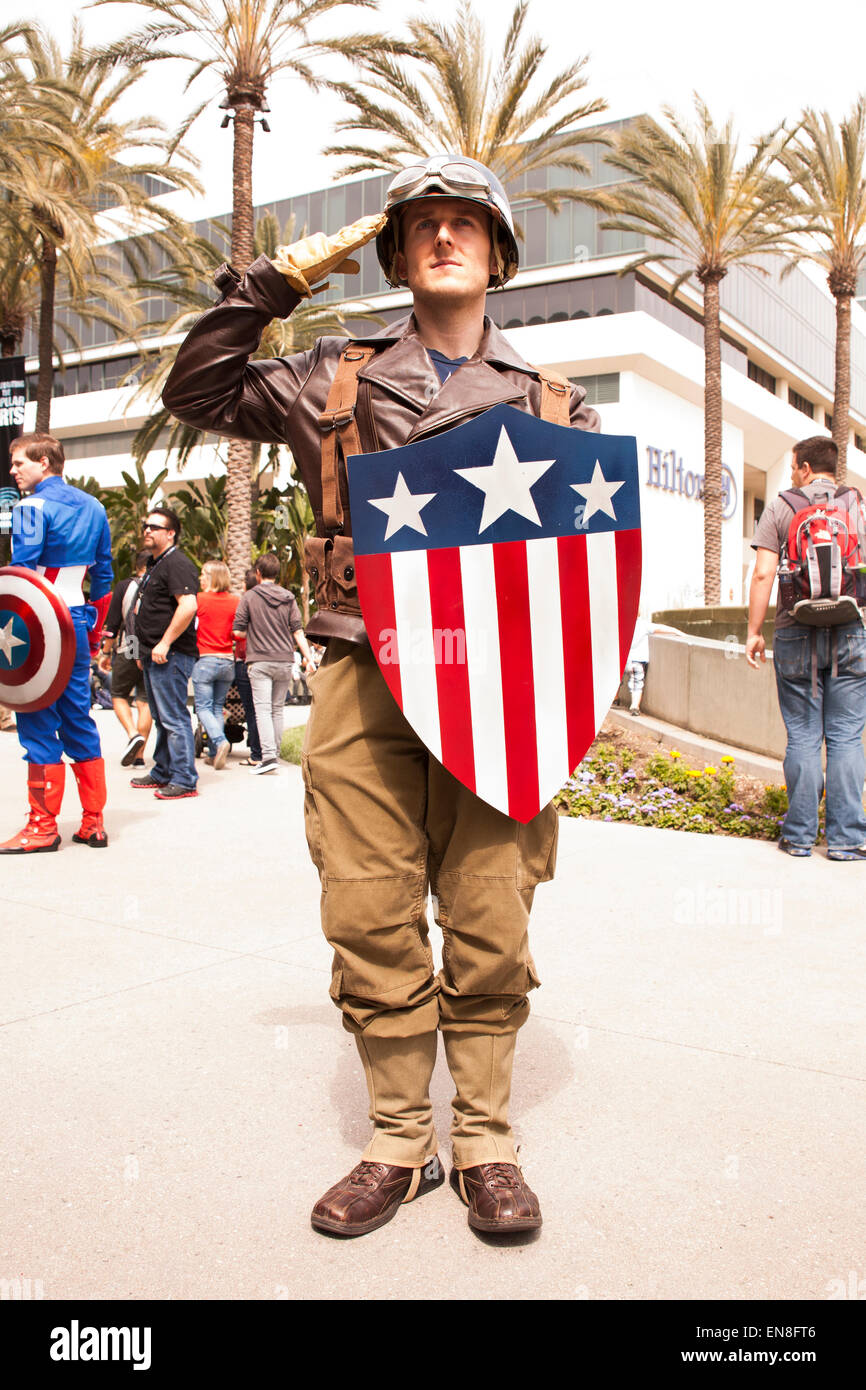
(340, 429)
(555, 397)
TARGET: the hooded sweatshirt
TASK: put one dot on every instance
(268, 614)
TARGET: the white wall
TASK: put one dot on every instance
(673, 524)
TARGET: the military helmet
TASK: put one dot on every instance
(455, 177)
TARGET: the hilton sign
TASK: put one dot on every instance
(665, 471)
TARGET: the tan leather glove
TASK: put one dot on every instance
(305, 262)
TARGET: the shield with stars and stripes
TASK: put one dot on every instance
(498, 568)
(37, 641)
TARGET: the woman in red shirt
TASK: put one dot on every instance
(214, 671)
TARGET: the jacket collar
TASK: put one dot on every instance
(404, 368)
(494, 346)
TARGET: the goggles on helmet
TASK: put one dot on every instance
(456, 177)
(452, 175)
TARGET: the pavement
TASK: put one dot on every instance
(178, 1091)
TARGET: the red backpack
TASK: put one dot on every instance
(822, 569)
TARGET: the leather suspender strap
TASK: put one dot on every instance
(555, 397)
(340, 429)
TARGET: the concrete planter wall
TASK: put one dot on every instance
(719, 623)
(709, 687)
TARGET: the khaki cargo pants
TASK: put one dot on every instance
(385, 822)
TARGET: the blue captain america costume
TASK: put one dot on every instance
(62, 533)
(59, 534)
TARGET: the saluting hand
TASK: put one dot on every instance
(307, 261)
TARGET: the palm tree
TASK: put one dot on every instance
(127, 507)
(245, 44)
(19, 290)
(450, 96)
(688, 191)
(63, 210)
(828, 175)
(33, 123)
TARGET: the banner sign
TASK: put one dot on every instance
(13, 397)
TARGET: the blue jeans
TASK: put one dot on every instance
(836, 715)
(166, 686)
(211, 678)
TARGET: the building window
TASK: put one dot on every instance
(763, 378)
(828, 420)
(92, 446)
(860, 443)
(86, 376)
(801, 403)
(600, 390)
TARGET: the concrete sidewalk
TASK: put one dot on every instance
(178, 1091)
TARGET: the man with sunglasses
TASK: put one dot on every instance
(385, 822)
(162, 624)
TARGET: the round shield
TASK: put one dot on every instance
(37, 641)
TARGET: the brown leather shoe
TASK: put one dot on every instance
(371, 1194)
(498, 1197)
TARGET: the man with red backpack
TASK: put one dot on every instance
(814, 538)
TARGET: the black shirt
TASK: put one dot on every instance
(167, 575)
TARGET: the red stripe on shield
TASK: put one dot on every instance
(452, 673)
(518, 689)
(376, 583)
(628, 557)
(577, 646)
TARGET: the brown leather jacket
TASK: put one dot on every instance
(214, 386)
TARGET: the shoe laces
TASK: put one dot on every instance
(366, 1174)
(502, 1175)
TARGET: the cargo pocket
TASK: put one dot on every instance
(343, 581)
(317, 563)
(536, 849)
(312, 821)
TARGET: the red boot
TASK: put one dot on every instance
(45, 782)
(90, 777)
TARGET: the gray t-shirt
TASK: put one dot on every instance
(771, 531)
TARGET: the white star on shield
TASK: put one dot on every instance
(404, 508)
(8, 640)
(506, 483)
(598, 493)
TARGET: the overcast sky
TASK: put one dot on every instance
(760, 62)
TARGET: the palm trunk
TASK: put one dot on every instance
(842, 392)
(48, 284)
(712, 443)
(242, 186)
(239, 463)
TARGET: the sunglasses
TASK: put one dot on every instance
(150, 526)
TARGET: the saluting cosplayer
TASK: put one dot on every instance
(61, 533)
(386, 823)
